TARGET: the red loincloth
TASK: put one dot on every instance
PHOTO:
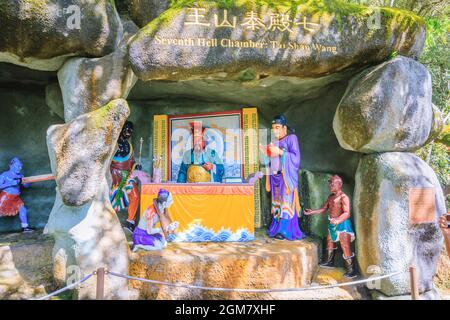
(10, 204)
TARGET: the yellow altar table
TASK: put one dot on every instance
(207, 211)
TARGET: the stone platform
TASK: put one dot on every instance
(261, 264)
(26, 270)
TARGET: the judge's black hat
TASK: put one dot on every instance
(281, 119)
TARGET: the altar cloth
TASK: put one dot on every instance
(207, 212)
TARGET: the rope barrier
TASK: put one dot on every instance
(188, 286)
(66, 288)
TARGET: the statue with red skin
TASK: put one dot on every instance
(339, 227)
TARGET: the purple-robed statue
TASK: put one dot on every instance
(282, 182)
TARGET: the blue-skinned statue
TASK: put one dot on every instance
(10, 190)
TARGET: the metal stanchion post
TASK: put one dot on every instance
(414, 283)
(100, 283)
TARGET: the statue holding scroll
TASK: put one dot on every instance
(282, 181)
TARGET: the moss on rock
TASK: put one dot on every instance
(32, 32)
(344, 28)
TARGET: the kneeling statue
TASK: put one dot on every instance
(146, 236)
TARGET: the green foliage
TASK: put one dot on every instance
(393, 55)
(438, 157)
(436, 57)
(423, 8)
(246, 75)
(444, 138)
(186, 3)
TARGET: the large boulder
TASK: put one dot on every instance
(437, 126)
(86, 229)
(54, 99)
(80, 151)
(42, 34)
(89, 83)
(317, 38)
(386, 236)
(315, 191)
(143, 11)
(386, 108)
(273, 94)
(86, 238)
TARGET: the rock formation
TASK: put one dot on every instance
(346, 76)
(86, 229)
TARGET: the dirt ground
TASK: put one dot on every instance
(442, 279)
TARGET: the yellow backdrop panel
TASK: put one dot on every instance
(208, 212)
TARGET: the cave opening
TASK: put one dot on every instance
(32, 103)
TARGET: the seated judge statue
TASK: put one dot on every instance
(200, 163)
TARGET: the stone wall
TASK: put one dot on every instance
(24, 122)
